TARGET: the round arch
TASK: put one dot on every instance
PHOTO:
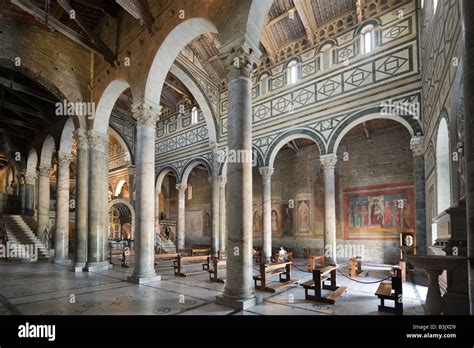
(106, 104)
(47, 151)
(161, 176)
(32, 162)
(285, 138)
(122, 143)
(119, 186)
(65, 143)
(125, 202)
(188, 168)
(443, 166)
(412, 125)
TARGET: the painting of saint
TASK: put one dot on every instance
(207, 224)
(274, 222)
(387, 215)
(376, 215)
(303, 216)
(364, 215)
(287, 219)
(257, 226)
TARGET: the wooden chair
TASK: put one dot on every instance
(391, 291)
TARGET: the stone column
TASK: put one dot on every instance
(239, 289)
(21, 192)
(417, 147)
(147, 116)
(267, 173)
(80, 233)
(30, 180)
(180, 235)
(43, 200)
(467, 13)
(131, 184)
(222, 212)
(96, 257)
(215, 201)
(61, 237)
(329, 164)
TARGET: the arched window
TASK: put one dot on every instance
(326, 60)
(367, 39)
(194, 115)
(264, 84)
(292, 72)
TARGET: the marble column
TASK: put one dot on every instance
(131, 184)
(215, 201)
(329, 164)
(417, 147)
(61, 237)
(180, 234)
(30, 180)
(144, 270)
(267, 214)
(222, 212)
(21, 192)
(467, 13)
(96, 257)
(239, 289)
(43, 200)
(81, 220)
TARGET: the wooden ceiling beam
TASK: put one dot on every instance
(18, 87)
(22, 109)
(306, 14)
(139, 10)
(60, 27)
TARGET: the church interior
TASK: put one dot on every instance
(236, 157)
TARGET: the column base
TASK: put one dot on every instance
(78, 267)
(98, 266)
(62, 262)
(143, 280)
(239, 304)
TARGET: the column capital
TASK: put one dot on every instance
(21, 178)
(328, 161)
(146, 113)
(81, 138)
(44, 170)
(96, 140)
(181, 187)
(30, 179)
(64, 159)
(222, 181)
(266, 172)
(239, 61)
(417, 145)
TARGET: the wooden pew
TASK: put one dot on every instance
(217, 263)
(316, 261)
(281, 258)
(257, 255)
(321, 275)
(182, 262)
(274, 269)
(391, 291)
(200, 251)
(167, 259)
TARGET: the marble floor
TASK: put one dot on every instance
(46, 289)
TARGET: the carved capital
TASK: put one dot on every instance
(146, 113)
(266, 172)
(44, 171)
(81, 138)
(96, 140)
(181, 187)
(222, 181)
(239, 62)
(328, 161)
(64, 159)
(417, 145)
(30, 179)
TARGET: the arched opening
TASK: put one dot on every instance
(9, 186)
(121, 221)
(367, 39)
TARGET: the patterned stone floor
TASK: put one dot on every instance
(44, 288)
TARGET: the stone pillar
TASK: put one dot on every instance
(61, 237)
(267, 214)
(131, 184)
(30, 180)
(80, 231)
(215, 201)
(21, 192)
(96, 258)
(146, 116)
(417, 147)
(329, 164)
(239, 289)
(180, 236)
(222, 212)
(467, 13)
(43, 200)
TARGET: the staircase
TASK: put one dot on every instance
(167, 245)
(19, 231)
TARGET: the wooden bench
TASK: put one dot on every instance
(316, 261)
(217, 263)
(182, 262)
(281, 257)
(257, 256)
(165, 258)
(391, 291)
(126, 253)
(321, 275)
(274, 269)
